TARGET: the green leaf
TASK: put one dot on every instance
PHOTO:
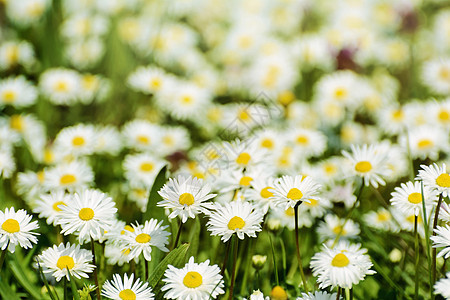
(46, 282)
(194, 238)
(73, 286)
(176, 258)
(22, 279)
(6, 292)
(153, 198)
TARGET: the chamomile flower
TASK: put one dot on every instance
(144, 237)
(436, 178)
(408, 197)
(308, 142)
(71, 176)
(242, 154)
(76, 140)
(289, 190)
(7, 164)
(62, 260)
(141, 135)
(18, 92)
(89, 214)
(368, 163)
(261, 193)
(381, 219)
(436, 75)
(343, 266)
(14, 53)
(444, 213)
(148, 80)
(235, 217)
(115, 255)
(333, 226)
(61, 86)
(286, 217)
(442, 239)
(16, 228)
(427, 141)
(142, 168)
(48, 205)
(318, 296)
(441, 287)
(195, 281)
(127, 289)
(186, 197)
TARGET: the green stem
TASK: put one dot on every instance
(233, 271)
(416, 249)
(225, 260)
(297, 245)
(180, 226)
(3, 256)
(66, 297)
(436, 218)
(283, 256)
(274, 260)
(95, 269)
(338, 295)
(427, 240)
(146, 269)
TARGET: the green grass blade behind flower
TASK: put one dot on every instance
(194, 238)
(27, 259)
(46, 282)
(73, 286)
(22, 279)
(6, 292)
(176, 257)
(152, 210)
(427, 240)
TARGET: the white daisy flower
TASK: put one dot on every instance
(444, 212)
(289, 190)
(261, 193)
(115, 255)
(27, 12)
(18, 92)
(61, 86)
(442, 239)
(318, 296)
(441, 287)
(144, 237)
(47, 206)
(436, 178)
(14, 53)
(16, 228)
(426, 142)
(307, 142)
(186, 197)
(392, 119)
(343, 266)
(141, 135)
(85, 54)
(127, 289)
(286, 217)
(89, 214)
(7, 164)
(173, 139)
(29, 184)
(381, 219)
(195, 281)
(369, 163)
(408, 197)
(71, 176)
(436, 75)
(60, 261)
(148, 80)
(257, 295)
(142, 168)
(76, 140)
(331, 227)
(235, 217)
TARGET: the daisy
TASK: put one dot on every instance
(18, 92)
(235, 217)
(61, 86)
(261, 192)
(436, 75)
(148, 80)
(16, 228)
(381, 219)
(427, 141)
(76, 140)
(62, 260)
(408, 197)
(318, 296)
(242, 154)
(143, 237)
(142, 168)
(368, 163)
(70, 176)
(442, 239)
(286, 217)
(127, 289)
(308, 142)
(89, 214)
(332, 226)
(141, 135)
(444, 213)
(343, 266)
(173, 139)
(186, 197)
(7, 164)
(14, 53)
(290, 190)
(195, 281)
(48, 205)
(115, 255)
(257, 295)
(435, 178)
(441, 287)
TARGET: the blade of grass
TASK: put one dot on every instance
(153, 198)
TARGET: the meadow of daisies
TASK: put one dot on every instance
(212, 149)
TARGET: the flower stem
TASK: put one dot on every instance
(233, 271)
(146, 269)
(299, 258)
(416, 249)
(2, 257)
(274, 260)
(338, 295)
(66, 297)
(225, 260)
(95, 269)
(427, 240)
(180, 226)
(435, 222)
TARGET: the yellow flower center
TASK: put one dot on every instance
(89, 82)
(340, 260)
(186, 199)
(294, 194)
(340, 93)
(313, 202)
(363, 166)
(78, 141)
(415, 198)
(192, 280)
(444, 73)
(56, 204)
(67, 179)
(244, 116)
(425, 143)
(236, 223)
(383, 216)
(265, 193)
(127, 294)
(339, 230)
(142, 139)
(9, 96)
(397, 115)
(186, 99)
(267, 143)
(146, 167)
(143, 238)
(155, 83)
(16, 122)
(330, 169)
(286, 97)
(129, 228)
(11, 226)
(168, 140)
(243, 158)
(65, 262)
(290, 212)
(245, 180)
(444, 116)
(443, 180)
(61, 86)
(86, 214)
(302, 140)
